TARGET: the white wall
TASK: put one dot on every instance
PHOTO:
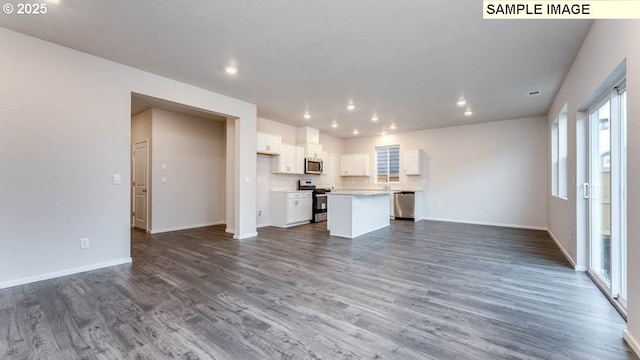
(66, 120)
(489, 173)
(141, 131)
(608, 44)
(193, 150)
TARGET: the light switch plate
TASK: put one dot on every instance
(164, 166)
(163, 180)
(117, 179)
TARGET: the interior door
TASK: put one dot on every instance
(140, 184)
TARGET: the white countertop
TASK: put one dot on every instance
(373, 190)
(359, 192)
(292, 191)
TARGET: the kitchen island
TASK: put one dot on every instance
(355, 213)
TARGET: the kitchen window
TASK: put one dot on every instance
(388, 164)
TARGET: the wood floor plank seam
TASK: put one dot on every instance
(424, 290)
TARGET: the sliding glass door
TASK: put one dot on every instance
(606, 192)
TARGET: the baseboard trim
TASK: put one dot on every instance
(635, 345)
(263, 225)
(530, 227)
(230, 231)
(185, 227)
(56, 274)
(245, 236)
(566, 254)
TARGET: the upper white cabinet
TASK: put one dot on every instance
(414, 162)
(355, 165)
(308, 135)
(312, 150)
(328, 177)
(289, 161)
(268, 144)
(299, 161)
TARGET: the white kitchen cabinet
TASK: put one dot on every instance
(312, 150)
(355, 165)
(299, 160)
(308, 135)
(307, 208)
(291, 208)
(413, 162)
(289, 161)
(268, 144)
(328, 177)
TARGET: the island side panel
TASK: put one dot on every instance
(380, 212)
(363, 214)
(339, 215)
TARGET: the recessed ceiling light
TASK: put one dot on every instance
(462, 102)
(392, 127)
(350, 106)
(468, 112)
(374, 117)
(231, 69)
(334, 125)
(307, 115)
(355, 132)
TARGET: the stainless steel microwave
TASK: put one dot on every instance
(313, 166)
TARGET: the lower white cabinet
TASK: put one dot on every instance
(291, 208)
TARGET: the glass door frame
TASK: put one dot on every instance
(617, 184)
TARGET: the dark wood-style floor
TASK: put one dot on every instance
(429, 290)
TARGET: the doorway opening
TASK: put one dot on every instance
(178, 166)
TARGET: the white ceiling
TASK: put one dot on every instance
(408, 61)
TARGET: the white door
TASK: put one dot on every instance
(140, 176)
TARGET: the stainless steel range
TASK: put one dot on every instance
(319, 208)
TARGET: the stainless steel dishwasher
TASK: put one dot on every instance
(404, 205)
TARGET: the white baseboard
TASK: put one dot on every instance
(245, 236)
(185, 227)
(635, 345)
(517, 226)
(47, 276)
(230, 231)
(566, 254)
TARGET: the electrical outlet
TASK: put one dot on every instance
(84, 243)
(259, 212)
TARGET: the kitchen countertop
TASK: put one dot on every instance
(375, 190)
(359, 192)
(292, 191)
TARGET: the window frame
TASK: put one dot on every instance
(559, 149)
(388, 174)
